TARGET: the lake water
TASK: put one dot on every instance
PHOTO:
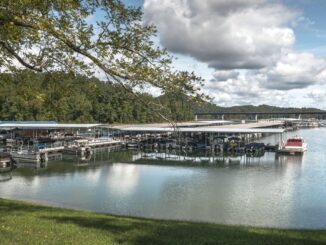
(284, 191)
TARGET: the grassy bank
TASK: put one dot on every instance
(25, 223)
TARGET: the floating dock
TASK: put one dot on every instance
(81, 139)
(103, 143)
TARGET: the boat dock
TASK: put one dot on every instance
(223, 136)
(54, 149)
(81, 139)
(37, 141)
(43, 154)
(94, 143)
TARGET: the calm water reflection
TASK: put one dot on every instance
(285, 191)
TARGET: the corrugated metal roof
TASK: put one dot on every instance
(260, 124)
(180, 124)
(205, 130)
(44, 125)
(29, 122)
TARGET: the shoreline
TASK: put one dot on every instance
(50, 204)
(33, 222)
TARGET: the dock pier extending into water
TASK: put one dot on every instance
(35, 142)
(80, 139)
(204, 136)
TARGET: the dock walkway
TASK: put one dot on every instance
(51, 149)
(103, 143)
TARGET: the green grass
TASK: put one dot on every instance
(25, 223)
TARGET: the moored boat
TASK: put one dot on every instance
(79, 147)
(294, 145)
(27, 156)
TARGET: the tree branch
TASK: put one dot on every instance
(60, 36)
(10, 50)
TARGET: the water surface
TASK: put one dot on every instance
(274, 191)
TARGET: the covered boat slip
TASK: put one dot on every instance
(52, 131)
(37, 141)
(204, 126)
(45, 125)
(236, 138)
(242, 128)
(205, 130)
(203, 134)
(219, 126)
(192, 124)
(59, 130)
(40, 130)
(177, 124)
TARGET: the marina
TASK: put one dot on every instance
(35, 141)
(167, 171)
(269, 189)
(162, 122)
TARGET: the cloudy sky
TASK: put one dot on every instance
(248, 51)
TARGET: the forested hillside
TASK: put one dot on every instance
(210, 107)
(69, 98)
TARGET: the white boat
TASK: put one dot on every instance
(294, 145)
(27, 156)
(79, 147)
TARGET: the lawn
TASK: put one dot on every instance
(26, 223)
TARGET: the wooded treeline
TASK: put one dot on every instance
(63, 97)
(71, 98)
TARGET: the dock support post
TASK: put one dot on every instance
(222, 117)
(211, 142)
(256, 117)
(196, 117)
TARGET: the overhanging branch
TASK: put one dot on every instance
(11, 51)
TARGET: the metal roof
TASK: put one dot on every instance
(259, 124)
(168, 125)
(205, 130)
(43, 125)
(29, 122)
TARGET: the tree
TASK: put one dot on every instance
(52, 35)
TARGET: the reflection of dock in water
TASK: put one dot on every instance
(198, 158)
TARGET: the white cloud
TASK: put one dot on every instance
(225, 75)
(245, 89)
(293, 80)
(316, 95)
(225, 34)
(249, 44)
(296, 70)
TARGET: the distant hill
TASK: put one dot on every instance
(210, 107)
(63, 97)
(206, 107)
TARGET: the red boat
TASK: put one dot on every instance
(294, 145)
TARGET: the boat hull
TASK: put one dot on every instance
(294, 149)
(25, 157)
